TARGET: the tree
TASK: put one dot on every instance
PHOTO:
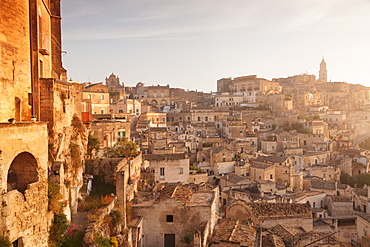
(365, 144)
(124, 148)
(92, 144)
(363, 179)
(344, 178)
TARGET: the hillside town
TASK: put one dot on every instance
(257, 162)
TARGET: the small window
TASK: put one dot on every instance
(101, 96)
(169, 218)
(161, 171)
(181, 170)
(89, 96)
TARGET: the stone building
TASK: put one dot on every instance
(34, 83)
(113, 84)
(279, 102)
(130, 106)
(110, 132)
(303, 78)
(154, 119)
(202, 115)
(159, 95)
(226, 99)
(25, 218)
(169, 168)
(216, 160)
(260, 171)
(363, 229)
(175, 213)
(158, 138)
(247, 84)
(99, 101)
(339, 205)
(283, 169)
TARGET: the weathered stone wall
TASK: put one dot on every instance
(110, 131)
(104, 168)
(24, 216)
(15, 77)
(98, 225)
(59, 102)
(176, 167)
(185, 219)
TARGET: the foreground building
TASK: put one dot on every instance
(176, 213)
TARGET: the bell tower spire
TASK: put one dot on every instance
(323, 73)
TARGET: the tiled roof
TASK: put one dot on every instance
(271, 210)
(233, 178)
(235, 231)
(259, 165)
(178, 156)
(158, 129)
(274, 159)
(175, 191)
(202, 198)
(252, 189)
(360, 191)
(286, 233)
(351, 152)
(219, 149)
(303, 194)
(364, 216)
(341, 186)
(322, 184)
(272, 241)
(340, 199)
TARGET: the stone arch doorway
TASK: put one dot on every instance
(22, 172)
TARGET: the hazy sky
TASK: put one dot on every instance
(191, 44)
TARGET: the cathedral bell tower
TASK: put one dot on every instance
(323, 72)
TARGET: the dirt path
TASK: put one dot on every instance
(80, 219)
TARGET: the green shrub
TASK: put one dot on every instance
(208, 144)
(54, 197)
(103, 242)
(58, 227)
(4, 242)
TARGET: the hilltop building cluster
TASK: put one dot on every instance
(277, 145)
(257, 163)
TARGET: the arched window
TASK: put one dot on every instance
(22, 172)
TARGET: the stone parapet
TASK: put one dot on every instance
(96, 221)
